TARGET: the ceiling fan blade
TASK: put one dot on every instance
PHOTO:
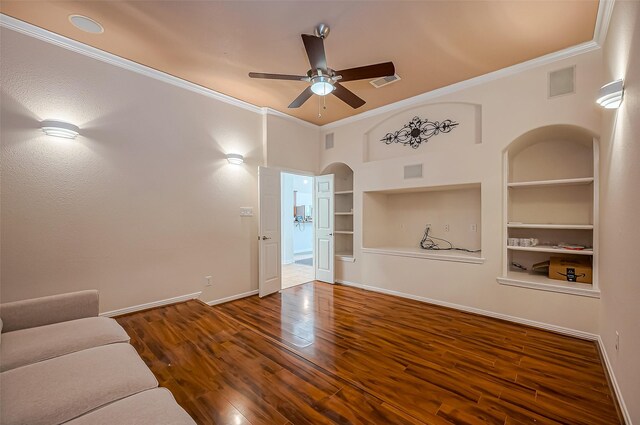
(365, 72)
(278, 76)
(315, 51)
(347, 96)
(304, 96)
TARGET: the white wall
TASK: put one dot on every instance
(143, 204)
(509, 107)
(295, 239)
(620, 203)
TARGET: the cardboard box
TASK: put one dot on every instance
(571, 269)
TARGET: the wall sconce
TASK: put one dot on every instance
(235, 158)
(59, 129)
(610, 95)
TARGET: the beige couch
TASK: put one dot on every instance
(61, 363)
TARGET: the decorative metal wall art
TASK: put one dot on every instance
(418, 131)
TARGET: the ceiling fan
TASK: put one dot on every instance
(324, 80)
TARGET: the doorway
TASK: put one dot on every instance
(297, 226)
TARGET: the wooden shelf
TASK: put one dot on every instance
(344, 192)
(525, 279)
(546, 248)
(561, 182)
(550, 226)
(457, 256)
(343, 213)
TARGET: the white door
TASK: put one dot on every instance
(324, 246)
(270, 267)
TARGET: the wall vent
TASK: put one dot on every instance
(381, 82)
(413, 171)
(561, 81)
(328, 141)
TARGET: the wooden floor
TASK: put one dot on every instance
(324, 354)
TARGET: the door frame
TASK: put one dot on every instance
(313, 206)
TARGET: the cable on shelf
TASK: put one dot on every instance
(429, 243)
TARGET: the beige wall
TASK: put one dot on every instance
(620, 203)
(143, 205)
(510, 107)
(292, 145)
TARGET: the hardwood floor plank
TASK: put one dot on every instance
(330, 354)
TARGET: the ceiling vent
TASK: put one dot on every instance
(381, 82)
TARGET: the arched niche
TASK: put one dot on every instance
(343, 176)
(551, 153)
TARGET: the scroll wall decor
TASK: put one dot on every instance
(418, 131)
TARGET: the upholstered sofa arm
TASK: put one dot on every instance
(48, 310)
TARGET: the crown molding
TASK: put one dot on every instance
(274, 112)
(86, 50)
(605, 10)
(472, 82)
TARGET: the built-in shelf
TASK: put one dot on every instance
(550, 226)
(539, 281)
(559, 182)
(554, 199)
(345, 256)
(344, 192)
(343, 232)
(545, 248)
(457, 256)
(344, 213)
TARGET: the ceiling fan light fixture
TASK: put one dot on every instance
(321, 85)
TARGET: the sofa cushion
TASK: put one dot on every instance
(152, 407)
(32, 345)
(60, 389)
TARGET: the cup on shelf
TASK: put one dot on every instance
(513, 242)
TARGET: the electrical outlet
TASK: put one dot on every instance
(473, 228)
(207, 280)
(617, 341)
(446, 227)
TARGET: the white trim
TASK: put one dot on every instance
(533, 323)
(550, 287)
(152, 304)
(426, 254)
(605, 10)
(348, 283)
(270, 111)
(86, 50)
(472, 82)
(612, 377)
(232, 298)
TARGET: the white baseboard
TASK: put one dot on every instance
(533, 323)
(152, 304)
(232, 298)
(612, 378)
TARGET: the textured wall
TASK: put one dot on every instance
(620, 203)
(511, 106)
(143, 204)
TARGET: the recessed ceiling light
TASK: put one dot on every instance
(86, 24)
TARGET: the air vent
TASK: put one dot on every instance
(381, 82)
(413, 171)
(328, 141)
(562, 81)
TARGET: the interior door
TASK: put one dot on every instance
(270, 267)
(324, 244)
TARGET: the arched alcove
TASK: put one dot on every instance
(343, 206)
(551, 193)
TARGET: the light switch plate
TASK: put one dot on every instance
(246, 211)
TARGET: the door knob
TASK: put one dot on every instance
(264, 238)
(330, 234)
